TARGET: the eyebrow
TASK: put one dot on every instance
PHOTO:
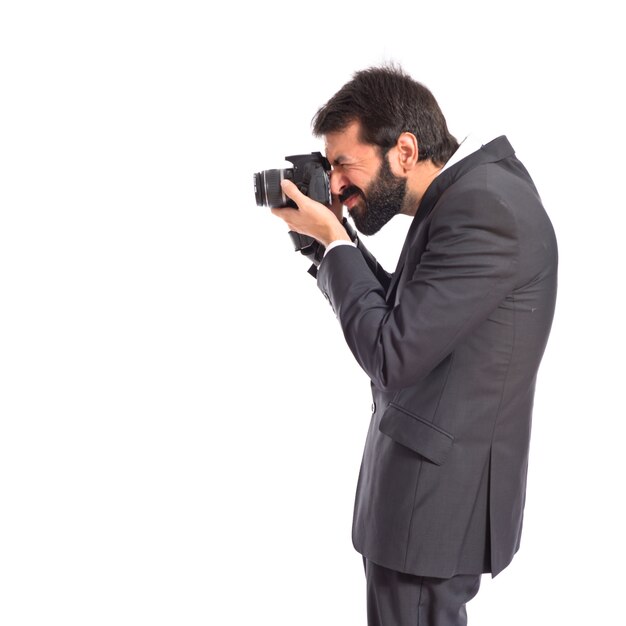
(338, 160)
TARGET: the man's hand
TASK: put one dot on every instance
(312, 218)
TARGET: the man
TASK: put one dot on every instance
(452, 340)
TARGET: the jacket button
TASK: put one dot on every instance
(373, 407)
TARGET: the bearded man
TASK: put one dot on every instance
(451, 341)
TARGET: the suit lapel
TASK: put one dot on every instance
(495, 150)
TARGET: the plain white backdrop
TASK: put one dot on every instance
(181, 423)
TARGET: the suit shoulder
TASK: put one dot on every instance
(479, 196)
(495, 189)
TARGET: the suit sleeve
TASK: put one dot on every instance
(383, 277)
(466, 270)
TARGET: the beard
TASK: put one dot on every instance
(383, 200)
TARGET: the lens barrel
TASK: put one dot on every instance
(267, 189)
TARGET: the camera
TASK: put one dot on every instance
(309, 173)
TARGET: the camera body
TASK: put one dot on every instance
(310, 173)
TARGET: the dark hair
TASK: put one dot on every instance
(387, 102)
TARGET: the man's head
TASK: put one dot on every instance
(386, 139)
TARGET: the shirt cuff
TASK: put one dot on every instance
(338, 242)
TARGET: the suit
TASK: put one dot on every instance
(452, 342)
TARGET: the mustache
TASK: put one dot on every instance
(350, 191)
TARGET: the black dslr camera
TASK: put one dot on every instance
(310, 174)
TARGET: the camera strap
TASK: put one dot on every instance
(310, 248)
(313, 249)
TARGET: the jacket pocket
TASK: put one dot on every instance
(417, 434)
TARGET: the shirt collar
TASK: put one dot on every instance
(470, 144)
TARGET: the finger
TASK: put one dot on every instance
(284, 213)
(290, 190)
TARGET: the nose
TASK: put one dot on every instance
(338, 182)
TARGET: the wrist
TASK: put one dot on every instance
(336, 232)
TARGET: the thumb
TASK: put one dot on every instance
(291, 191)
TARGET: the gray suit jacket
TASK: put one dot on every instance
(452, 342)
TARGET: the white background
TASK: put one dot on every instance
(181, 422)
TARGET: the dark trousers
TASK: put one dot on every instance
(397, 599)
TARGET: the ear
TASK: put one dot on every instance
(406, 151)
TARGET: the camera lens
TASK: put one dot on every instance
(267, 188)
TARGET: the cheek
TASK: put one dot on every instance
(368, 187)
(362, 182)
